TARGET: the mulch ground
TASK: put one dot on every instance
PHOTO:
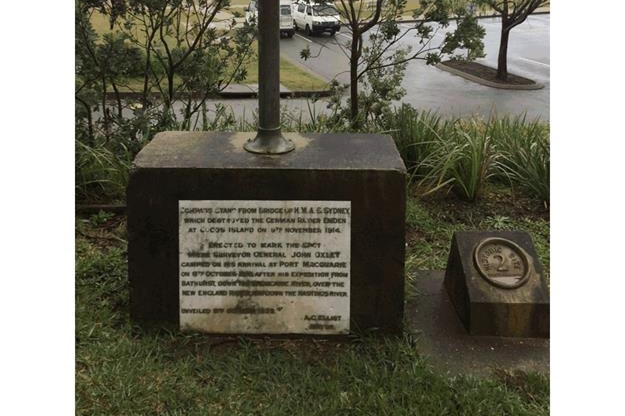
(498, 200)
(485, 72)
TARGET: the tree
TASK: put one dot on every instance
(173, 47)
(513, 13)
(186, 45)
(379, 61)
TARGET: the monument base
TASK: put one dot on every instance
(489, 297)
(226, 241)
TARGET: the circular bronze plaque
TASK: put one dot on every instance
(502, 263)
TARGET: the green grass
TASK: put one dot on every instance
(431, 222)
(125, 370)
(297, 79)
(291, 76)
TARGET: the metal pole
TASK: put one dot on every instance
(269, 139)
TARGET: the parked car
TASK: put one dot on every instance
(316, 18)
(286, 18)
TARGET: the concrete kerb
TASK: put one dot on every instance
(488, 83)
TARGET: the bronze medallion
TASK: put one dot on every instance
(502, 263)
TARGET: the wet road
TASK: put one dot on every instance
(430, 88)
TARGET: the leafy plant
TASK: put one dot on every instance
(524, 148)
(475, 159)
(175, 50)
(465, 154)
(100, 173)
(497, 222)
(415, 134)
(463, 162)
(100, 217)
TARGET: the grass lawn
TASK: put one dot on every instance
(129, 371)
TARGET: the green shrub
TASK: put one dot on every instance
(100, 173)
(465, 154)
(415, 134)
(461, 155)
(463, 161)
(475, 159)
(524, 148)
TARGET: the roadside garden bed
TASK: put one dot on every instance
(474, 71)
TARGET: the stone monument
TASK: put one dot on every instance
(231, 233)
(495, 282)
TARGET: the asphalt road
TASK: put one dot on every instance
(328, 56)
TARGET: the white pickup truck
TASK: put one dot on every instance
(286, 20)
(316, 18)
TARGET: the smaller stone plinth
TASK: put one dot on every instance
(495, 282)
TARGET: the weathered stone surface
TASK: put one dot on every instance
(487, 307)
(365, 170)
(265, 266)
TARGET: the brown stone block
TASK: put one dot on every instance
(363, 169)
(490, 298)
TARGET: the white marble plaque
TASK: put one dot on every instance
(265, 267)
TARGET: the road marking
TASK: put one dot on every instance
(302, 37)
(535, 62)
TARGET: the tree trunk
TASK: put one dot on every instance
(146, 79)
(171, 72)
(105, 115)
(168, 99)
(502, 60)
(353, 80)
(117, 98)
(353, 92)
(89, 119)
